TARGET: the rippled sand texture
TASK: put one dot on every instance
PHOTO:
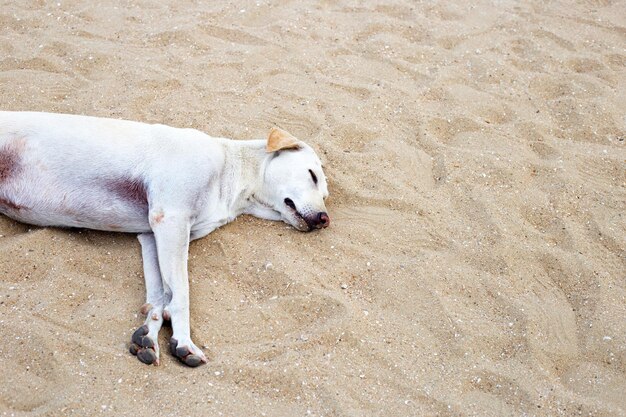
(476, 260)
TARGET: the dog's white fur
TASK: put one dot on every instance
(169, 185)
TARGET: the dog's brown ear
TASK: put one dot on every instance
(280, 140)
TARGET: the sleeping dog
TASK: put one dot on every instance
(168, 185)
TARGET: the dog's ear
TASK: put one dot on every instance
(280, 140)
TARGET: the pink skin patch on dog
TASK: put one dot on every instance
(10, 167)
(10, 205)
(132, 190)
(158, 217)
(9, 163)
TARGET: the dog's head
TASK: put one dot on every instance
(294, 183)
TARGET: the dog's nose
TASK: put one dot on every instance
(323, 220)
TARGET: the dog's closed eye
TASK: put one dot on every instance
(313, 176)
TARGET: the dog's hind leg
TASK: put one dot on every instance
(145, 341)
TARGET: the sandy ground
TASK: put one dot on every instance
(476, 262)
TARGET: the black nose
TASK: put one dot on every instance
(323, 220)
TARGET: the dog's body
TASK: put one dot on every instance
(169, 185)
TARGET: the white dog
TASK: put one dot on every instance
(168, 185)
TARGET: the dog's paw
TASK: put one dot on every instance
(187, 353)
(144, 347)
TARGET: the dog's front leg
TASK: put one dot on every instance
(171, 231)
(262, 212)
(145, 343)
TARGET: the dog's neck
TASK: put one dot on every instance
(249, 166)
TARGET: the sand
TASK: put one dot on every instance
(476, 261)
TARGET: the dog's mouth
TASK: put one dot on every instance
(300, 221)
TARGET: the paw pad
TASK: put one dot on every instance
(184, 354)
(142, 346)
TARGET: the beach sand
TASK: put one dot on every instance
(476, 260)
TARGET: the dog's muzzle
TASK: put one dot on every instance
(313, 220)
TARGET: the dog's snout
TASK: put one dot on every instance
(323, 220)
